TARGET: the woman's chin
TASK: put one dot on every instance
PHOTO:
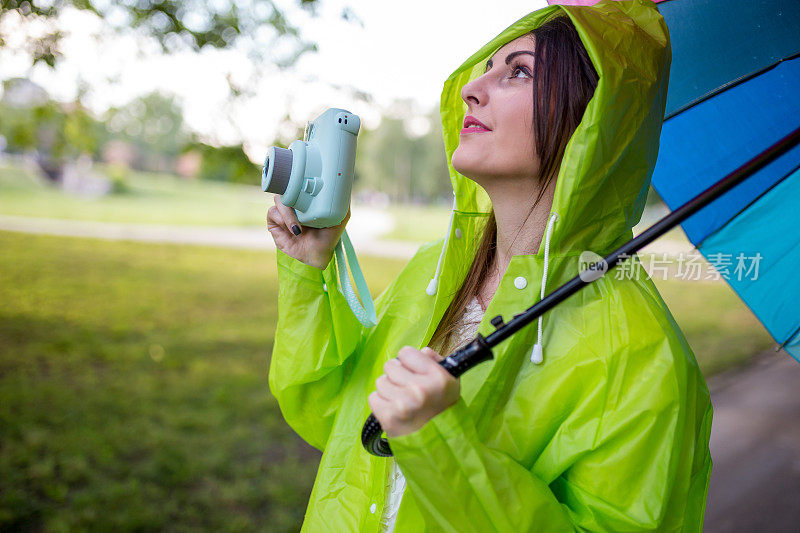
(469, 169)
(472, 175)
(464, 166)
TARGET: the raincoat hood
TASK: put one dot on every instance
(605, 173)
(610, 433)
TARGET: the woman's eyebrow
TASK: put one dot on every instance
(509, 57)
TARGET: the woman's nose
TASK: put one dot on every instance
(474, 93)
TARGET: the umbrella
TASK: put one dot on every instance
(733, 91)
(727, 166)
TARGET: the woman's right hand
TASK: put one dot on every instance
(312, 246)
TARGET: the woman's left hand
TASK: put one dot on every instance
(414, 389)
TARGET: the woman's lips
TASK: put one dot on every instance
(473, 125)
(473, 129)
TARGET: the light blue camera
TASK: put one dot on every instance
(315, 176)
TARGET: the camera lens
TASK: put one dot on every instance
(277, 170)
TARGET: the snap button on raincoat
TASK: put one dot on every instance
(610, 432)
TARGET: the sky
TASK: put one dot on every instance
(403, 51)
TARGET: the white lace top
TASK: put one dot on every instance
(396, 482)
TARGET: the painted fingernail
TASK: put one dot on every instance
(296, 229)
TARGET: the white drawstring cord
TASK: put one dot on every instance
(434, 283)
(537, 355)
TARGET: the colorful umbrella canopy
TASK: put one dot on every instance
(734, 90)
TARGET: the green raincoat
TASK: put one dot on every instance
(610, 432)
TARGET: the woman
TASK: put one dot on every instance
(599, 421)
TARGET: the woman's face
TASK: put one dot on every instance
(501, 99)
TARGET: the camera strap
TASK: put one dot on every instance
(364, 313)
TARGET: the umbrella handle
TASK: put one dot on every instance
(456, 364)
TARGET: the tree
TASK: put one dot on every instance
(226, 163)
(153, 125)
(407, 168)
(258, 28)
(174, 24)
(56, 132)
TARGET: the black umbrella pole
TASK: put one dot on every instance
(480, 349)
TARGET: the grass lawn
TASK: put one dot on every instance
(151, 199)
(133, 389)
(134, 394)
(418, 223)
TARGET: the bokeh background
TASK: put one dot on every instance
(137, 278)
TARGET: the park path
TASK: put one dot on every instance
(755, 447)
(365, 229)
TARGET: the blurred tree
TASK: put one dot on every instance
(56, 132)
(384, 159)
(406, 167)
(153, 125)
(225, 163)
(258, 28)
(175, 24)
(433, 182)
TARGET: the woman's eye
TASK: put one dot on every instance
(518, 68)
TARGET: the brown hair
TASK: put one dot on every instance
(564, 82)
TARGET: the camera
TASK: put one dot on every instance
(315, 175)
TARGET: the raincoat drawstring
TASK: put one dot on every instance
(537, 354)
(434, 283)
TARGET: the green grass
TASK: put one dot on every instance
(418, 223)
(151, 199)
(134, 393)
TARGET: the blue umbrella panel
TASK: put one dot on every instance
(734, 90)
